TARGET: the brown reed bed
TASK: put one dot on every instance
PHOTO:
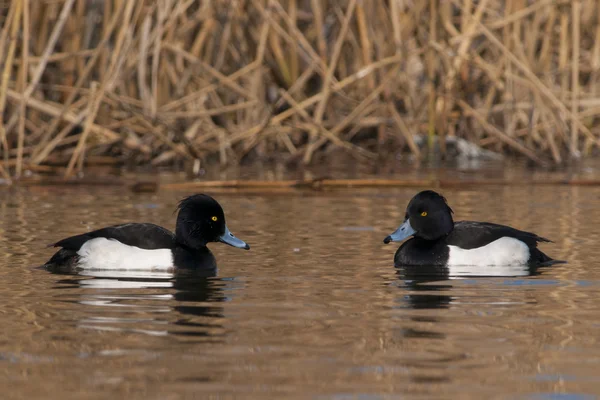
(185, 81)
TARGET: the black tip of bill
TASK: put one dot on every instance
(387, 239)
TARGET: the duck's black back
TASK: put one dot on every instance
(470, 235)
(144, 236)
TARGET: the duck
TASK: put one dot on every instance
(146, 246)
(438, 240)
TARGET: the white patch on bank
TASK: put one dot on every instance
(505, 251)
(103, 253)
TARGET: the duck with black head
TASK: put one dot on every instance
(438, 240)
(145, 246)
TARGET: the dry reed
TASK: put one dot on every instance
(176, 81)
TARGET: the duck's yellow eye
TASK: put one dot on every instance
(214, 218)
(424, 214)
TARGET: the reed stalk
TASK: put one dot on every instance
(182, 81)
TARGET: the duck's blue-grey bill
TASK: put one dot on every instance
(401, 233)
(231, 240)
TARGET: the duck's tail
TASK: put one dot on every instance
(542, 260)
(63, 258)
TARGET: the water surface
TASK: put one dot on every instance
(315, 310)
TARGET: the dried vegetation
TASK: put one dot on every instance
(161, 82)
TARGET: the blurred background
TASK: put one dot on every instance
(493, 103)
(187, 85)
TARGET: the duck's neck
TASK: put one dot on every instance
(193, 258)
(193, 250)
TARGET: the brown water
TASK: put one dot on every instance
(315, 309)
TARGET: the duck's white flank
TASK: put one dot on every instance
(103, 253)
(504, 251)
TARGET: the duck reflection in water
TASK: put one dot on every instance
(187, 299)
(430, 280)
(197, 297)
